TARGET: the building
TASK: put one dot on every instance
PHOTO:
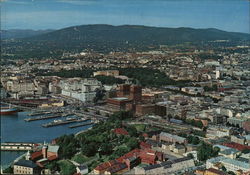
(81, 89)
(82, 169)
(230, 164)
(117, 103)
(129, 161)
(237, 121)
(167, 167)
(238, 139)
(246, 126)
(230, 153)
(143, 109)
(172, 138)
(25, 167)
(112, 73)
(218, 131)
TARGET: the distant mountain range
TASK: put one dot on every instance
(21, 33)
(105, 38)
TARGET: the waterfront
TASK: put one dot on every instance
(15, 129)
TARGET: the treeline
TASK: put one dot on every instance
(144, 76)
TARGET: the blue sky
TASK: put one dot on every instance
(229, 15)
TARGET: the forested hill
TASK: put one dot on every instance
(141, 34)
(106, 38)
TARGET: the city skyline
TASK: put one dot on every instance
(232, 15)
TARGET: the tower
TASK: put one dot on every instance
(44, 150)
(28, 156)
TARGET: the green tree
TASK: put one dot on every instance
(106, 148)
(206, 151)
(52, 166)
(67, 168)
(132, 143)
(89, 149)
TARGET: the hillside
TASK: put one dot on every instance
(106, 38)
(19, 33)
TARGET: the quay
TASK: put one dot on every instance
(39, 113)
(14, 146)
(42, 118)
(51, 124)
(81, 124)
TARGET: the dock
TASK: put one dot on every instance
(13, 146)
(41, 118)
(81, 124)
(64, 122)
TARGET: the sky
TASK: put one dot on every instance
(228, 15)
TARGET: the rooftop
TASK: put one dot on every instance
(25, 163)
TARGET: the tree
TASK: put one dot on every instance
(89, 149)
(223, 168)
(121, 151)
(105, 148)
(190, 155)
(68, 145)
(67, 168)
(206, 151)
(132, 131)
(132, 143)
(195, 140)
(52, 166)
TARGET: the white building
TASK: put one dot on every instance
(81, 89)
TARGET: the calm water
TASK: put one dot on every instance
(15, 129)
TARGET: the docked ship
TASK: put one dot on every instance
(7, 110)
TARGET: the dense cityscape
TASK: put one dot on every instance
(179, 111)
(96, 87)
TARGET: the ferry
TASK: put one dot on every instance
(7, 110)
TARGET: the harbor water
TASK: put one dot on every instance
(15, 129)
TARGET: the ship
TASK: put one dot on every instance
(8, 110)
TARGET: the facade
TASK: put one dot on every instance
(172, 138)
(230, 164)
(25, 167)
(167, 167)
(81, 89)
(112, 73)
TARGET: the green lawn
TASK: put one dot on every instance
(140, 127)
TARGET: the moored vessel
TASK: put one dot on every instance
(7, 110)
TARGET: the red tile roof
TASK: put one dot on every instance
(121, 131)
(144, 145)
(36, 155)
(237, 146)
(146, 155)
(50, 158)
(105, 165)
(216, 171)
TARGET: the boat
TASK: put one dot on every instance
(8, 110)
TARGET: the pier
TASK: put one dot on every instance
(13, 146)
(41, 118)
(39, 113)
(81, 124)
(64, 122)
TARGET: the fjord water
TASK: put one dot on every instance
(15, 129)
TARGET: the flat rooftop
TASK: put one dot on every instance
(120, 98)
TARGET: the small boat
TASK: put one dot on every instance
(7, 110)
(57, 121)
